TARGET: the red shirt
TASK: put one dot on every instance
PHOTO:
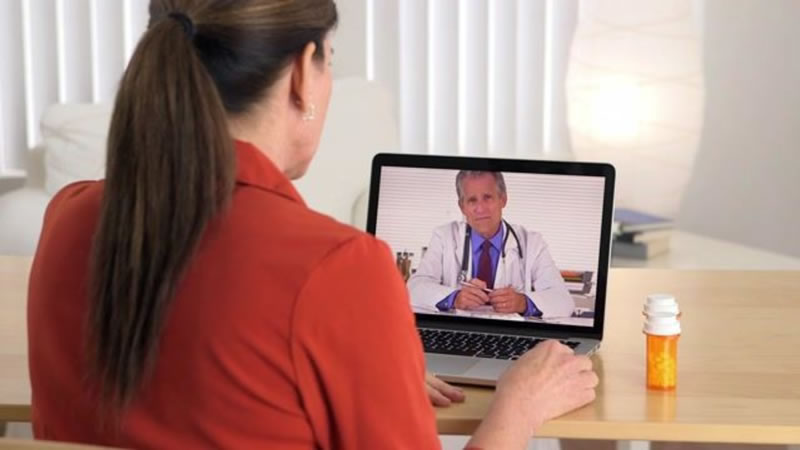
(289, 330)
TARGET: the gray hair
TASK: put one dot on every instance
(498, 179)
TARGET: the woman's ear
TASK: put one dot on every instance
(302, 78)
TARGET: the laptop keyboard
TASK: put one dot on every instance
(481, 345)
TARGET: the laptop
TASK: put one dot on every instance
(545, 227)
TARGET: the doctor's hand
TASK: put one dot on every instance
(471, 295)
(507, 300)
(441, 393)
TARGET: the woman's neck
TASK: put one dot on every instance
(266, 132)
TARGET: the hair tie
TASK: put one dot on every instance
(186, 23)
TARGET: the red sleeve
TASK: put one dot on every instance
(357, 356)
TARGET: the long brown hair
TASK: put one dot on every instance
(171, 165)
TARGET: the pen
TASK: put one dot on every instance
(468, 284)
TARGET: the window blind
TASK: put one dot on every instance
(474, 77)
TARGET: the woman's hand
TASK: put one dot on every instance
(544, 383)
(441, 393)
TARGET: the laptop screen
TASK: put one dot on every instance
(495, 245)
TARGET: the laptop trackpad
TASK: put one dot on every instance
(449, 365)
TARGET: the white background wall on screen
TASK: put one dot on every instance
(565, 209)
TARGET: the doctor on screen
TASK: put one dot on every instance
(486, 262)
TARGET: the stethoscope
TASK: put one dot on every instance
(462, 276)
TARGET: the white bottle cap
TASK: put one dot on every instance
(661, 315)
(662, 324)
(661, 304)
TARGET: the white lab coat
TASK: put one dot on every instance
(537, 277)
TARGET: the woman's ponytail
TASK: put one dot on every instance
(169, 171)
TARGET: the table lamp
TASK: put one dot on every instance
(635, 96)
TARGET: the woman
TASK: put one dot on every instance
(192, 300)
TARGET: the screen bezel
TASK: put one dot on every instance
(604, 170)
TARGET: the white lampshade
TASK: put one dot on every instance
(635, 96)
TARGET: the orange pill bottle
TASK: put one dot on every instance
(662, 328)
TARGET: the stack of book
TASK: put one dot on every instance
(639, 235)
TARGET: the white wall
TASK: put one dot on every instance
(745, 186)
(12, 98)
(350, 40)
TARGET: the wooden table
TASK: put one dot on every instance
(738, 364)
(15, 390)
(27, 444)
(739, 361)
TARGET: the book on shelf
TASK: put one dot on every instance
(646, 236)
(639, 250)
(632, 221)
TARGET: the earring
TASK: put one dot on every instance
(310, 113)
